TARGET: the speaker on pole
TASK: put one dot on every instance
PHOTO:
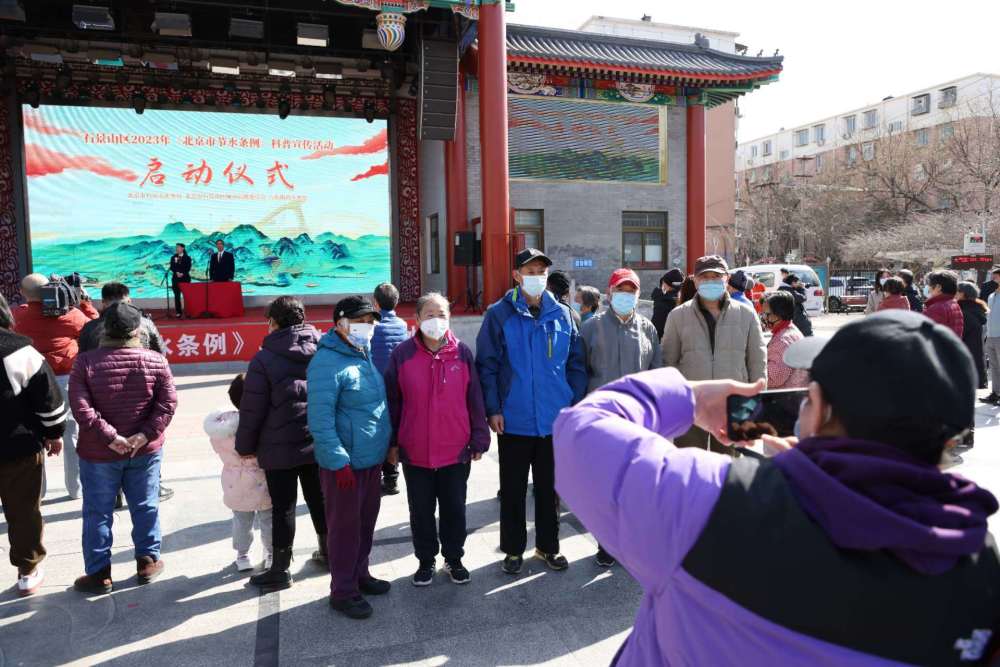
(438, 95)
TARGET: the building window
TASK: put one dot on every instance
(946, 132)
(851, 153)
(644, 239)
(767, 148)
(819, 134)
(753, 176)
(801, 137)
(531, 223)
(753, 151)
(895, 126)
(871, 119)
(868, 151)
(850, 125)
(766, 175)
(922, 137)
(949, 97)
(783, 155)
(921, 104)
(433, 244)
(819, 163)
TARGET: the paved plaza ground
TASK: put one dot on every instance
(201, 612)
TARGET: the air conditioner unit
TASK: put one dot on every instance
(821, 142)
(846, 136)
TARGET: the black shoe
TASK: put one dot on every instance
(120, 501)
(390, 489)
(166, 494)
(374, 586)
(554, 561)
(278, 577)
(424, 576)
(356, 607)
(604, 559)
(992, 399)
(512, 564)
(457, 572)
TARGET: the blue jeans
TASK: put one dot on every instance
(139, 478)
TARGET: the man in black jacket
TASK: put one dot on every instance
(180, 272)
(664, 298)
(90, 335)
(990, 286)
(32, 418)
(222, 266)
(916, 304)
(793, 286)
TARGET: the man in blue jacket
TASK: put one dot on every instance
(349, 421)
(531, 365)
(390, 331)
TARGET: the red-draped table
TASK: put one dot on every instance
(213, 299)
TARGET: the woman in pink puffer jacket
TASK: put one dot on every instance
(244, 489)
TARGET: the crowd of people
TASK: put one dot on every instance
(619, 416)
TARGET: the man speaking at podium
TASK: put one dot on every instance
(222, 266)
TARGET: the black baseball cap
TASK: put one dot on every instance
(673, 277)
(740, 281)
(530, 255)
(711, 263)
(353, 307)
(121, 319)
(893, 365)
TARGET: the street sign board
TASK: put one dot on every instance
(971, 261)
(975, 243)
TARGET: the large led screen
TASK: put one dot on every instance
(303, 203)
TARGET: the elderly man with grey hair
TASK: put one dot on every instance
(57, 338)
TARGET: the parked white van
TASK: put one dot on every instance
(768, 275)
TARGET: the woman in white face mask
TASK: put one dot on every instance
(349, 422)
(439, 427)
(877, 293)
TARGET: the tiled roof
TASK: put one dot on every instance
(548, 46)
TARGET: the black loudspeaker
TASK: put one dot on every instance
(467, 249)
(438, 89)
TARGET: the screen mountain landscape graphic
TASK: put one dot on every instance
(325, 264)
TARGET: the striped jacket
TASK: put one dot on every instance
(31, 405)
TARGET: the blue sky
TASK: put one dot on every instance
(77, 204)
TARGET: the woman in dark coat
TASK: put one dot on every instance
(664, 298)
(974, 315)
(273, 427)
(794, 287)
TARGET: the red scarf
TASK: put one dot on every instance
(779, 327)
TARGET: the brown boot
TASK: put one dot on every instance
(98, 583)
(147, 569)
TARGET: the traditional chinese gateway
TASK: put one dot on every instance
(599, 145)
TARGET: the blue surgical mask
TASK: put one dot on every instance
(533, 286)
(797, 431)
(576, 306)
(927, 291)
(624, 303)
(712, 290)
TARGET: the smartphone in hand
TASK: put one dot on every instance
(768, 413)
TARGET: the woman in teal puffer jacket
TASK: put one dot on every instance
(349, 421)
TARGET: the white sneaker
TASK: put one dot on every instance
(268, 559)
(28, 584)
(243, 563)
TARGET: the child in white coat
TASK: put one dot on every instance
(244, 488)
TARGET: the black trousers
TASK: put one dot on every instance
(444, 488)
(283, 485)
(177, 297)
(390, 474)
(518, 455)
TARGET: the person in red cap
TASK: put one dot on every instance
(618, 342)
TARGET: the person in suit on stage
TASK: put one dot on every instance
(180, 272)
(222, 266)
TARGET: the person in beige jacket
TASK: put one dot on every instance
(713, 337)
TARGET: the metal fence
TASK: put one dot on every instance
(849, 288)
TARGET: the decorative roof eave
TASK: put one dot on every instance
(410, 6)
(708, 78)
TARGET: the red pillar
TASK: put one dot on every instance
(696, 178)
(458, 209)
(493, 151)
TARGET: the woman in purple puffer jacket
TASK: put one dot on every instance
(439, 427)
(273, 428)
(123, 398)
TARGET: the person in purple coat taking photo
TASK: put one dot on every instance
(850, 547)
(439, 427)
